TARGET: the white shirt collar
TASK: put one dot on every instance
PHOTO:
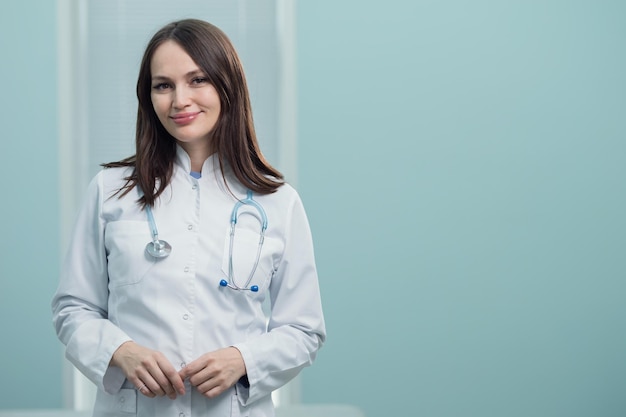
(182, 159)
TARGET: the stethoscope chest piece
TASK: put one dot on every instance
(158, 249)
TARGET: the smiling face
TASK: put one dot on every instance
(183, 99)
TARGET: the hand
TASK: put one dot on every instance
(215, 372)
(148, 370)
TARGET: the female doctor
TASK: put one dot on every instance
(160, 301)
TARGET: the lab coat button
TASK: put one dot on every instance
(122, 399)
(186, 317)
(190, 227)
(181, 415)
(186, 269)
(194, 187)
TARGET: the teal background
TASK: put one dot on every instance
(463, 166)
(30, 356)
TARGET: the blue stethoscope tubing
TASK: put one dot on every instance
(158, 248)
(233, 223)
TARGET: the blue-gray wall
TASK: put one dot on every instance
(30, 356)
(463, 166)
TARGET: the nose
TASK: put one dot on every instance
(182, 97)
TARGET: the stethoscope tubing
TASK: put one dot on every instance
(157, 248)
(233, 226)
(160, 248)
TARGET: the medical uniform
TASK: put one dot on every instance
(111, 291)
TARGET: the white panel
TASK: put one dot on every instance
(118, 32)
(100, 47)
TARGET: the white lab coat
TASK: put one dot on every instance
(110, 291)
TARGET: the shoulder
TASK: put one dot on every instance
(108, 182)
(284, 193)
(115, 173)
(287, 190)
(284, 200)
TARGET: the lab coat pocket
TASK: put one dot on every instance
(244, 250)
(125, 242)
(122, 403)
(236, 409)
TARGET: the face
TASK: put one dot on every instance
(185, 102)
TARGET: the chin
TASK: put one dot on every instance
(192, 140)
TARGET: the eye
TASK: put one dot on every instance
(199, 80)
(161, 86)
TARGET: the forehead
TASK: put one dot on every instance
(170, 59)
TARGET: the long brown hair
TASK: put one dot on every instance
(233, 137)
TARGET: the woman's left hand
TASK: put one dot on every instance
(215, 372)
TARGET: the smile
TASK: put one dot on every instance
(184, 118)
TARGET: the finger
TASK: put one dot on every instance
(176, 381)
(211, 390)
(170, 380)
(159, 383)
(155, 380)
(192, 368)
(150, 378)
(143, 389)
(201, 377)
(210, 384)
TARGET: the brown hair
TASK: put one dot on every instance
(233, 138)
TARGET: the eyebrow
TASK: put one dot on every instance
(189, 74)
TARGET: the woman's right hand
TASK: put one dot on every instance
(148, 370)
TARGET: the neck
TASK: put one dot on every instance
(198, 153)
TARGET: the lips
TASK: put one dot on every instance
(184, 118)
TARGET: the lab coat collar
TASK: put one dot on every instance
(182, 160)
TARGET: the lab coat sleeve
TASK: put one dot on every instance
(296, 328)
(79, 306)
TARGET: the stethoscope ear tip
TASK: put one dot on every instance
(224, 283)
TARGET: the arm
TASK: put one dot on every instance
(79, 305)
(96, 346)
(296, 327)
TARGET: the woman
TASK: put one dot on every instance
(177, 326)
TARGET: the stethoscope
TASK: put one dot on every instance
(159, 248)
